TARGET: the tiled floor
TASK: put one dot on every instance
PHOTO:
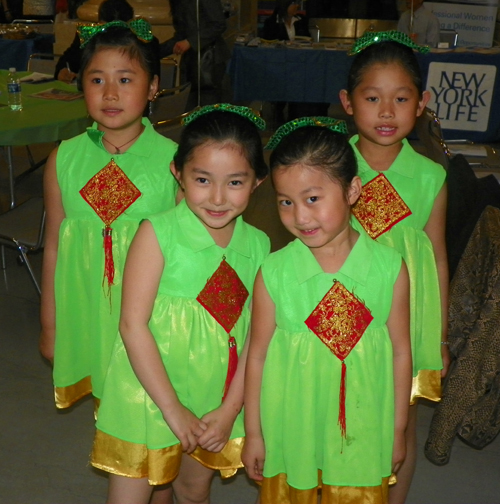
(44, 453)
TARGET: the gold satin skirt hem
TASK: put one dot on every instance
(426, 385)
(276, 490)
(65, 397)
(159, 466)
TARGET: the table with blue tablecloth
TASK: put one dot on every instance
(16, 53)
(317, 75)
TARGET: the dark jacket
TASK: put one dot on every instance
(275, 29)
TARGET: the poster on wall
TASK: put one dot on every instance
(461, 95)
(475, 24)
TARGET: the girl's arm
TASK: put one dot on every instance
(143, 270)
(262, 330)
(399, 332)
(54, 216)
(435, 229)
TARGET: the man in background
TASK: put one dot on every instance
(425, 27)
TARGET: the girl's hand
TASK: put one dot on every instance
(445, 356)
(219, 425)
(253, 456)
(186, 426)
(398, 451)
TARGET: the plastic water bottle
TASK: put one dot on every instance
(14, 90)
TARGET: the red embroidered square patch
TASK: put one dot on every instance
(339, 320)
(379, 206)
(110, 192)
(224, 296)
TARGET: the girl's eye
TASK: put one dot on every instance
(285, 202)
(372, 99)
(312, 199)
(401, 99)
(124, 80)
(235, 183)
(96, 80)
(202, 180)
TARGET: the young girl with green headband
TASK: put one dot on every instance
(329, 366)
(402, 204)
(171, 409)
(98, 186)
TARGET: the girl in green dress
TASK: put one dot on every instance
(329, 365)
(170, 412)
(402, 204)
(102, 182)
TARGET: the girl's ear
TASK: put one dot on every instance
(258, 182)
(153, 88)
(426, 96)
(176, 173)
(346, 101)
(354, 190)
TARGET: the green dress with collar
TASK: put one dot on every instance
(86, 317)
(192, 344)
(418, 181)
(301, 379)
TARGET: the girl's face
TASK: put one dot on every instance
(312, 206)
(116, 90)
(385, 104)
(217, 182)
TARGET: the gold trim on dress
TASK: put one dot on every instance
(427, 384)
(276, 490)
(159, 466)
(67, 396)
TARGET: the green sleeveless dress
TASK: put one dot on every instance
(418, 181)
(132, 437)
(86, 316)
(301, 378)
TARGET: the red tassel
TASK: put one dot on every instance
(342, 419)
(231, 365)
(109, 265)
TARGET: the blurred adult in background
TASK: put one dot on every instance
(285, 23)
(68, 66)
(212, 25)
(425, 29)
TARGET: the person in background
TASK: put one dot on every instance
(68, 66)
(285, 23)
(425, 30)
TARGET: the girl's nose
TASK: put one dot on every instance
(301, 215)
(217, 196)
(110, 92)
(386, 110)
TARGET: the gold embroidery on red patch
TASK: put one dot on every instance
(339, 320)
(379, 207)
(110, 192)
(224, 296)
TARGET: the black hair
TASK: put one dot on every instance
(111, 10)
(219, 128)
(282, 7)
(120, 37)
(318, 148)
(385, 53)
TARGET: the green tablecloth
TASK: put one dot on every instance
(40, 120)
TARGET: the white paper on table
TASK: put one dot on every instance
(37, 77)
(468, 150)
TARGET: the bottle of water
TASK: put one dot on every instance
(14, 90)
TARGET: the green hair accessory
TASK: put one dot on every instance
(140, 27)
(337, 125)
(369, 38)
(245, 112)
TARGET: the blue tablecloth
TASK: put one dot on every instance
(16, 53)
(317, 75)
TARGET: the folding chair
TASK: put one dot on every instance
(42, 63)
(171, 128)
(170, 71)
(169, 103)
(22, 229)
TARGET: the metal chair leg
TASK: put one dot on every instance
(27, 263)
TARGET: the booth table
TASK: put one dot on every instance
(317, 75)
(40, 121)
(16, 53)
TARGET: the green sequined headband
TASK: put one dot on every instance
(140, 27)
(370, 38)
(245, 112)
(337, 125)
